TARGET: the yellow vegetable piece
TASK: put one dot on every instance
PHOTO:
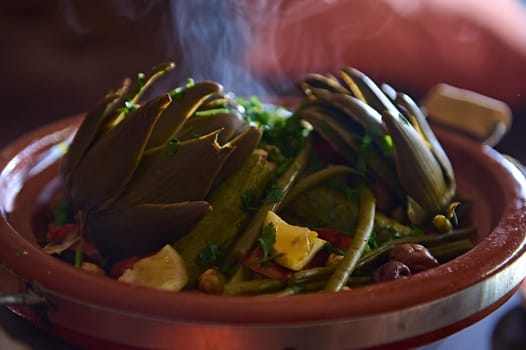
(163, 270)
(295, 245)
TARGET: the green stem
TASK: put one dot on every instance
(361, 237)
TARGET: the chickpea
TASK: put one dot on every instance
(391, 270)
(212, 281)
(414, 255)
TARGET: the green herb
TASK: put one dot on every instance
(176, 93)
(248, 200)
(332, 249)
(267, 239)
(280, 129)
(62, 213)
(190, 82)
(416, 231)
(212, 112)
(128, 107)
(275, 195)
(372, 244)
(172, 147)
(211, 254)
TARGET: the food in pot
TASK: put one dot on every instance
(199, 189)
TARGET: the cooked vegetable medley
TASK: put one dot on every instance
(199, 189)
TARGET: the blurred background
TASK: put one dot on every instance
(58, 57)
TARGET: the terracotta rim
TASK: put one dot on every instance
(502, 247)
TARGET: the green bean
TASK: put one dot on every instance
(448, 251)
(252, 287)
(355, 250)
(428, 240)
(299, 288)
(434, 242)
(312, 274)
(249, 236)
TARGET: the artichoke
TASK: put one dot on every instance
(383, 133)
(138, 174)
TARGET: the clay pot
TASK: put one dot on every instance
(95, 311)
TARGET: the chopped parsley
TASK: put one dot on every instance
(178, 92)
(372, 244)
(282, 130)
(267, 239)
(62, 213)
(274, 195)
(210, 255)
(332, 249)
(128, 107)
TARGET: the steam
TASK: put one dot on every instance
(213, 38)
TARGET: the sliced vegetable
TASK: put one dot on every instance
(295, 246)
(163, 270)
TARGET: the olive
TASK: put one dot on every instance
(414, 255)
(391, 270)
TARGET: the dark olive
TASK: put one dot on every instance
(391, 270)
(415, 256)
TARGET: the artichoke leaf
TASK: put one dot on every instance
(369, 119)
(243, 144)
(183, 107)
(365, 89)
(419, 172)
(143, 228)
(202, 125)
(184, 174)
(131, 92)
(418, 119)
(343, 140)
(83, 138)
(326, 82)
(111, 161)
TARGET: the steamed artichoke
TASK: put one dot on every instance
(382, 133)
(138, 174)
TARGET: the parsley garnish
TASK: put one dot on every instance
(178, 92)
(332, 249)
(128, 107)
(210, 255)
(267, 239)
(62, 213)
(416, 231)
(372, 244)
(275, 195)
